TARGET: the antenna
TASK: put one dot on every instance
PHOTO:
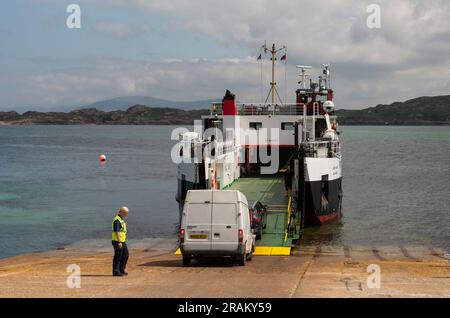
(326, 72)
(304, 74)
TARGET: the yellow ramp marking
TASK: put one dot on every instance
(265, 250)
(272, 250)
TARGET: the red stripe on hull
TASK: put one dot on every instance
(320, 219)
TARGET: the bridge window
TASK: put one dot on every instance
(287, 126)
(255, 126)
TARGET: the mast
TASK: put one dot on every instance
(272, 83)
(273, 90)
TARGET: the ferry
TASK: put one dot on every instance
(259, 148)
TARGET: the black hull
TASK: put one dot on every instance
(323, 201)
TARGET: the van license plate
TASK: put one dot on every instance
(199, 236)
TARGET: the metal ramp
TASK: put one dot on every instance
(269, 190)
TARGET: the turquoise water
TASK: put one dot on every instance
(53, 192)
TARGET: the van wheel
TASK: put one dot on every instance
(242, 259)
(250, 255)
(187, 259)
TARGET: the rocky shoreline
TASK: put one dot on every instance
(419, 111)
(135, 115)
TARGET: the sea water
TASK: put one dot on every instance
(54, 192)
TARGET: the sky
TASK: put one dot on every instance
(186, 50)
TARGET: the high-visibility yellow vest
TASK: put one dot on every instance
(122, 232)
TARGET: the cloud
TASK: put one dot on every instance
(408, 57)
(316, 30)
(121, 30)
(91, 79)
(172, 60)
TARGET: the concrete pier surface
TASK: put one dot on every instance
(311, 271)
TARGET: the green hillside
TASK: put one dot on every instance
(418, 111)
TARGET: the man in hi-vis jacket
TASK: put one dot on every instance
(119, 237)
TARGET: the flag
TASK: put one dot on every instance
(259, 57)
(283, 58)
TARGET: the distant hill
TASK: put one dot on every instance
(123, 103)
(135, 115)
(417, 111)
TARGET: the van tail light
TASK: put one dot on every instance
(241, 236)
(182, 236)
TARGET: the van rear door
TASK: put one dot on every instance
(198, 221)
(224, 222)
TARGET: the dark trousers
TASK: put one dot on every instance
(120, 257)
(288, 185)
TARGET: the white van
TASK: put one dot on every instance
(216, 223)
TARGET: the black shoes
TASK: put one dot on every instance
(120, 273)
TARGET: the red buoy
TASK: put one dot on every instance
(102, 159)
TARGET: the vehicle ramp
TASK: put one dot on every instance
(269, 190)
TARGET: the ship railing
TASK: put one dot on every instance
(312, 148)
(218, 149)
(225, 147)
(216, 109)
(253, 109)
(288, 218)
